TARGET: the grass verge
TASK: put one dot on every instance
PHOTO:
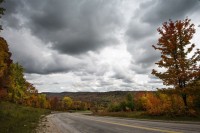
(19, 119)
(143, 115)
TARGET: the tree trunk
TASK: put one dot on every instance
(184, 96)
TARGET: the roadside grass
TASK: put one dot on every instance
(19, 119)
(143, 115)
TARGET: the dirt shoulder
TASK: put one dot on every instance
(46, 125)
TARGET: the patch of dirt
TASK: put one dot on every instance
(47, 126)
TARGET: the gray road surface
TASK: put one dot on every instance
(79, 123)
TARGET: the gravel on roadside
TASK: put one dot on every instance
(46, 125)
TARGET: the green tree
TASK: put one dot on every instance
(175, 46)
(17, 83)
(130, 101)
(43, 102)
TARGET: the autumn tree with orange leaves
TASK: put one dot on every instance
(175, 46)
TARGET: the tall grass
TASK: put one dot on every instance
(19, 119)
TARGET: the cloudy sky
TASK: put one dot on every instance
(91, 45)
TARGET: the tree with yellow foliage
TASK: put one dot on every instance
(67, 103)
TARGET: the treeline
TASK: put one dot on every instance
(159, 102)
(66, 103)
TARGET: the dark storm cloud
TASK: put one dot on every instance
(156, 12)
(148, 54)
(12, 6)
(65, 26)
(10, 17)
(45, 66)
(123, 77)
(144, 56)
(56, 64)
(83, 42)
(122, 74)
(35, 57)
(138, 30)
(73, 27)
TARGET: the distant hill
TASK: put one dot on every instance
(93, 96)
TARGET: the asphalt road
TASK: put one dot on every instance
(79, 123)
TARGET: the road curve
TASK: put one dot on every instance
(79, 123)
